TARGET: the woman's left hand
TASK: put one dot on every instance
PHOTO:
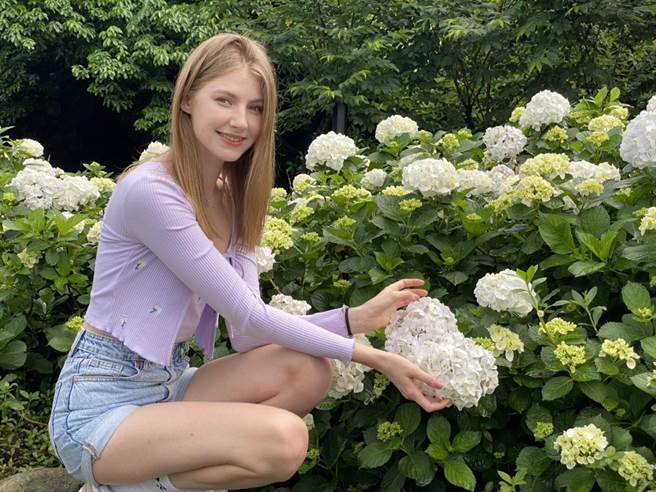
(378, 311)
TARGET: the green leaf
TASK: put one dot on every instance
(636, 296)
(606, 366)
(13, 355)
(392, 481)
(60, 338)
(649, 346)
(586, 372)
(409, 416)
(389, 206)
(595, 221)
(583, 268)
(418, 466)
(556, 232)
(557, 387)
(576, 480)
(374, 455)
(466, 440)
(459, 474)
(641, 381)
(438, 429)
(537, 413)
(613, 330)
(438, 451)
(648, 424)
(601, 393)
(533, 459)
(621, 438)
(609, 481)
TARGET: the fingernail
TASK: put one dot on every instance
(438, 383)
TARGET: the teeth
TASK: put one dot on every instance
(232, 139)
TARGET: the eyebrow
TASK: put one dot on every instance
(228, 93)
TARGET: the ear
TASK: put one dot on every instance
(185, 104)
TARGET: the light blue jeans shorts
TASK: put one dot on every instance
(101, 383)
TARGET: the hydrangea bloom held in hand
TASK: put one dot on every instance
(503, 291)
(427, 334)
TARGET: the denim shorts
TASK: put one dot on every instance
(101, 383)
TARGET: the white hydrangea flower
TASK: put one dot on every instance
(36, 188)
(544, 108)
(504, 142)
(583, 170)
(639, 141)
(31, 147)
(154, 149)
(604, 123)
(581, 445)
(501, 177)
(395, 125)
(289, 304)
(430, 177)
(478, 182)
(265, 258)
(497, 291)
(348, 379)
(651, 105)
(373, 179)
(79, 227)
(43, 166)
(93, 236)
(418, 323)
(29, 258)
(75, 191)
(648, 221)
(331, 150)
(410, 158)
(302, 181)
(426, 333)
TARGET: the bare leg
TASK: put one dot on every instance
(220, 436)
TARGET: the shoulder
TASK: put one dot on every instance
(150, 184)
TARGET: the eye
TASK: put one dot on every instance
(224, 101)
(257, 109)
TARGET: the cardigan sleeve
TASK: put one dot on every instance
(245, 262)
(158, 215)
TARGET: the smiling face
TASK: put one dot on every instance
(226, 115)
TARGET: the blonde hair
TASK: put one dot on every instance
(250, 178)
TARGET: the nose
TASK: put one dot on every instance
(238, 117)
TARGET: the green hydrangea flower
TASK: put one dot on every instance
(516, 114)
(619, 349)
(299, 214)
(634, 468)
(557, 135)
(388, 430)
(75, 323)
(344, 222)
(556, 327)
(598, 138)
(395, 191)
(547, 165)
(342, 283)
(351, 194)
(604, 123)
(590, 187)
(450, 143)
(543, 430)
(620, 112)
(310, 237)
(277, 234)
(410, 205)
(571, 356)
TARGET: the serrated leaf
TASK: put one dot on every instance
(459, 474)
(613, 330)
(408, 416)
(636, 296)
(438, 429)
(557, 387)
(556, 232)
(466, 440)
(418, 466)
(576, 480)
(533, 459)
(374, 455)
(649, 346)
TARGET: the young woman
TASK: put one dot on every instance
(176, 248)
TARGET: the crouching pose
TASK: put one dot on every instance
(176, 250)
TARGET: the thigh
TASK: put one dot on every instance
(176, 437)
(257, 375)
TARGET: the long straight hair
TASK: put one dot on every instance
(250, 178)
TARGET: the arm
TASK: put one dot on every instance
(245, 263)
(157, 215)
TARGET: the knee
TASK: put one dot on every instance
(315, 375)
(289, 439)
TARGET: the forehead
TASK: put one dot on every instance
(241, 82)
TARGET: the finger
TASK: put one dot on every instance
(426, 378)
(431, 404)
(405, 283)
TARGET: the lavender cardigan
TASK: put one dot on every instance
(153, 260)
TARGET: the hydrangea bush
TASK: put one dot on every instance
(537, 243)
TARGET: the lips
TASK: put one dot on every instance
(233, 140)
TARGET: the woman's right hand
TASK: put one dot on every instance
(405, 375)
